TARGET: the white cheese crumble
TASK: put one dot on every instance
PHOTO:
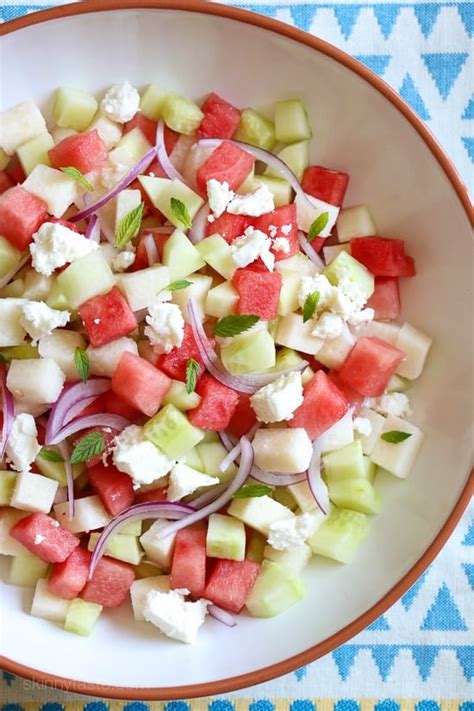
(121, 102)
(286, 229)
(278, 401)
(319, 283)
(289, 533)
(123, 260)
(328, 325)
(396, 404)
(136, 456)
(185, 480)
(250, 246)
(55, 245)
(281, 244)
(22, 445)
(175, 616)
(363, 426)
(255, 204)
(219, 195)
(165, 328)
(39, 320)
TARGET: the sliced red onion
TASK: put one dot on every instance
(104, 419)
(198, 229)
(226, 441)
(8, 410)
(221, 615)
(137, 512)
(9, 275)
(93, 229)
(234, 449)
(310, 251)
(210, 495)
(246, 461)
(163, 157)
(72, 401)
(273, 479)
(180, 151)
(244, 383)
(315, 481)
(151, 250)
(64, 449)
(142, 165)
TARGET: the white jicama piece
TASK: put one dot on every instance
(309, 208)
(19, 124)
(294, 333)
(259, 513)
(397, 458)
(331, 251)
(334, 351)
(415, 344)
(125, 202)
(104, 359)
(35, 380)
(60, 346)
(57, 189)
(379, 329)
(89, 515)
(34, 492)
(159, 550)
(142, 288)
(303, 497)
(9, 545)
(198, 291)
(377, 423)
(140, 590)
(355, 221)
(12, 332)
(47, 605)
(286, 451)
(340, 434)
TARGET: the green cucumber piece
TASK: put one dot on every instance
(81, 617)
(26, 570)
(198, 291)
(161, 190)
(152, 102)
(135, 144)
(397, 384)
(211, 455)
(132, 528)
(286, 358)
(9, 257)
(35, 151)
(296, 158)
(275, 590)
(221, 300)
(345, 463)
(121, 546)
(255, 129)
(178, 396)
(249, 353)
(291, 121)
(225, 538)
(280, 188)
(7, 484)
(344, 265)
(181, 114)
(171, 431)
(217, 253)
(56, 298)
(290, 289)
(57, 470)
(193, 459)
(146, 570)
(4, 159)
(74, 108)
(181, 256)
(356, 495)
(370, 469)
(256, 547)
(340, 535)
(295, 559)
(86, 277)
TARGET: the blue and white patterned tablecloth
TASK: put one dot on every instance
(419, 656)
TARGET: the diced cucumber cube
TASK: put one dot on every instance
(211, 455)
(81, 617)
(193, 459)
(161, 190)
(178, 396)
(275, 590)
(7, 485)
(255, 129)
(286, 358)
(217, 253)
(134, 143)
(74, 108)
(256, 547)
(35, 151)
(25, 352)
(221, 300)
(146, 570)
(57, 470)
(13, 290)
(397, 458)
(280, 189)
(370, 469)
(86, 277)
(309, 209)
(415, 344)
(259, 513)
(294, 333)
(9, 257)
(345, 463)
(291, 121)
(26, 570)
(56, 298)
(294, 560)
(140, 589)
(121, 546)
(181, 114)
(298, 264)
(132, 528)
(290, 288)
(355, 221)
(296, 158)
(142, 287)
(356, 495)
(171, 431)
(225, 538)
(47, 605)
(249, 353)
(198, 291)
(340, 535)
(181, 256)
(396, 384)
(152, 102)
(346, 267)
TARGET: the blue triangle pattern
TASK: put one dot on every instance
(303, 15)
(424, 656)
(347, 15)
(387, 705)
(384, 656)
(469, 110)
(468, 539)
(443, 613)
(379, 624)
(409, 598)
(344, 658)
(466, 13)
(10, 12)
(469, 570)
(426, 16)
(410, 93)
(376, 62)
(465, 656)
(386, 17)
(469, 146)
(301, 673)
(444, 68)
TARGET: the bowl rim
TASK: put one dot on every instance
(360, 623)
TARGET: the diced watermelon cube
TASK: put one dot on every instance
(243, 418)
(171, 139)
(282, 217)
(43, 536)
(64, 223)
(385, 301)
(114, 488)
(218, 404)
(351, 395)
(159, 494)
(188, 569)
(325, 184)
(108, 434)
(174, 363)
(220, 118)
(383, 256)
(67, 579)
(231, 582)
(84, 151)
(323, 405)
(141, 259)
(115, 405)
(370, 365)
(15, 170)
(228, 226)
(107, 317)
(140, 384)
(5, 181)
(228, 163)
(21, 215)
(146, 125)
(110, 583)
(95, 408)
(259, 292)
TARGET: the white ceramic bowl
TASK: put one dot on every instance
(362, 127)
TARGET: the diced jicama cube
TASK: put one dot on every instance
(158, 550)
(89, 515)
(37, 286)
(282, 450)
(198, 291)
(334, 351)
(397, 458)
(33, 492)
(308, 209)
(303, 497)
(259, 513)
(57, 189)
(35, 380)
(294, 333)
(141, 288)
(140, 590)
(355, 221)
(11, 331)
(9, 545)
(105, 359)
(18, 124)
(125, 202)
(47, 605)
(376, 423)
(295, 559)
(379, 329)
(25, 570)
(222, 300)
(109, 131)
(60, 346)
(340, 434)
(415, 344)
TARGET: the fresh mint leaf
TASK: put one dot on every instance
(50, 455)
(234, 324)
(181, 212)
(176, 285)
(78, 177)
(129, 226)
(252, 491)
(318, 226)
(395, 436)
(81, 361)
(310, 305)
(192, 370)
(88, 447)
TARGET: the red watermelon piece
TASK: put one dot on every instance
(281, 217)
(21, 215)
(84, 151)
(107, 317)
(108, 434)
(220, 118)
(141, 259)
(323, 405)
(188, 569)
(146, 125)
(370, 365)
(228, 226)
(43, 536)
(259, 292)
(160, 494)
(325, 184)
(114, 488)
(64, 223)
(68, 578)
(228, 163)
(15, 170)
(383, 256)
(231, 582)
(174, 363)
(115, 405)
(351, 395)
(243, 417)
(5, 181)
(218, 404)
(140, 384)
(110, 583)
(385, 301)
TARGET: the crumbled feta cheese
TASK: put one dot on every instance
(136, 456)
(319, 283)
(165, 328)
(396, 404)
(286, 229)
(184, 481)
(254, 204)
(39, 320)
(39, 539)
(328, 326)
(291, 532)
(350, 288)
(281, 244)
(112, 174)
(55, 245)
(278, 401)
(121, 102)
(250, 246)
(22, 445)
(360, 317)
(219, 195)
(363, 426)
(175, 616)
(122, 261)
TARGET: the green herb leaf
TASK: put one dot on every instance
(234, 324)
(50, 455)
(318, 226)
(395, 436)
(310, 305)
(192, 370)
(88, 447)
(252, 491)
(176, 285)
(129, 226)
(181, 212)
(78, 177)
(81, 361)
